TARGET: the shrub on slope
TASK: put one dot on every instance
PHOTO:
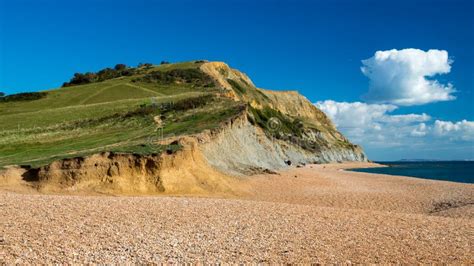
(25, 96)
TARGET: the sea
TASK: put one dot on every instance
(455, 171)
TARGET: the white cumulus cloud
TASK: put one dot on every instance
(461, 130)
(371, 123)
(406, 119)
(420, 131)
(405, 77)
(355, 114)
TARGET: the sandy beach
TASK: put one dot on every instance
(313, 214)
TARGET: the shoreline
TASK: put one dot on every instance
(394, 171)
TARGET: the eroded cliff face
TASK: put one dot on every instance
(248, 146)
(222, 73)
(185, 171)
(104, 173)
(240, 148)
(288, 102)
(274, 130)
(294, 104)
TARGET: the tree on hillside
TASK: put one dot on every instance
(2, 94)
(119, 67)
(107, 73)
(119, 70)
(80, 79)
(165, 62)
(24, 96)
(145, 65)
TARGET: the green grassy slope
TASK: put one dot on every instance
(114, 115)
(131, 109)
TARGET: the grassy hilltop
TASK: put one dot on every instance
(118, 114)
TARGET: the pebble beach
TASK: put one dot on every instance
(313, 214)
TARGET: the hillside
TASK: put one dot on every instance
(189, 127)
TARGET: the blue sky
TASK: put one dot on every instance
(315, 47)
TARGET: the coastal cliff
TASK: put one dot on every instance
(223, 127)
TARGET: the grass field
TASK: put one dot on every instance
(85, 119)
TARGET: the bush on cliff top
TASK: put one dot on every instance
(188, 76)
(25, 96)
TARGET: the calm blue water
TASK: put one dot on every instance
(456, 171)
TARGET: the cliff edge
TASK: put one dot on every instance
(206, 125)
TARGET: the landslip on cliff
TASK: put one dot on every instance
(266, 131)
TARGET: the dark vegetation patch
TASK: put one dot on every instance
(25, 96)
(277, 125)
(239, 88)
(244, 82)
(244, 89)
(201, 119)
(192, 103)
(187, 76)
(149, 109)
(262, 95)
(180, 105)
(276, 122)
(173, 147)
(223, 71)
(145, 65)
(120, 70)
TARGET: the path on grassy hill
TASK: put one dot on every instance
(97, 93)
(144, 89)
